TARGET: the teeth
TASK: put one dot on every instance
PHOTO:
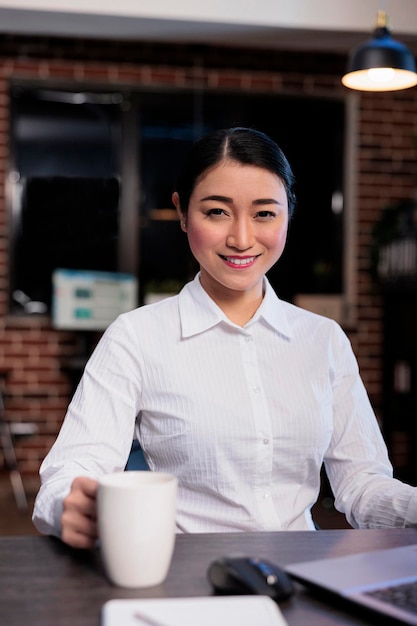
(236, 261)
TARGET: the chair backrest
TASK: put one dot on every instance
(136, 460)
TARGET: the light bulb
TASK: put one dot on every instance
(381, 74)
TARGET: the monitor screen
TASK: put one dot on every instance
(90, 300)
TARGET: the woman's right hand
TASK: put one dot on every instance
(79, 515)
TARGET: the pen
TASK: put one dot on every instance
(146, 619)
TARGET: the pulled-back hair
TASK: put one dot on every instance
(243, 145)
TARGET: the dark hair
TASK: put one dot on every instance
(243, 145)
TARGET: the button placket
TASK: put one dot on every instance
(259, 408)
(263, 431)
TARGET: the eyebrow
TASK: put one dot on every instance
(227, 200)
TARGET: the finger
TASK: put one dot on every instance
(78, 530)
(90, 486)
(86, 485)
(82, 496)
(78, 520)
(77, 540)
(80, 504)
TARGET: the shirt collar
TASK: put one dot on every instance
(198, 312)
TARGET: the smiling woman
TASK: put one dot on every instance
(235, 246)
(236, 216)
(239, 394)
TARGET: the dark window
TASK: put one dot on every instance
(66, 153)
(66, 222)
(69, 155)
(311, 133)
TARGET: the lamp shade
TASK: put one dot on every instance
(381, 64)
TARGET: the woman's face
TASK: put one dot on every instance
(237, 223)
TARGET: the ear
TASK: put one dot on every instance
(182, 218)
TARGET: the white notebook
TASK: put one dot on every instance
(204, 611)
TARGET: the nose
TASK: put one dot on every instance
(240, 235)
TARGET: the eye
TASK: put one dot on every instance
(215, 212)
(266, 215)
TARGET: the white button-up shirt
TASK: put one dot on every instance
(244, 417)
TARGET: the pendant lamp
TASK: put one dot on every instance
(381, 63)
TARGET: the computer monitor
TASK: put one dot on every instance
(89, 299)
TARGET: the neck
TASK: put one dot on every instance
(242, 314)
(238, 306)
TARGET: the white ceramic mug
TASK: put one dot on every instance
(136, 524)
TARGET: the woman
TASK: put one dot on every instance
(242, 396)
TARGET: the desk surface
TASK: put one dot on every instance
(45, 583)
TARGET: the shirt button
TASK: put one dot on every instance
(265, 496)
(266, 441)
(247, 339)
(256, 389)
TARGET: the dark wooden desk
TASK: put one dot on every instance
(45, 583)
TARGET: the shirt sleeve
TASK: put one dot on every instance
(98, 428)
(357, 463)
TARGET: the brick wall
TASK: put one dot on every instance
(31, 351)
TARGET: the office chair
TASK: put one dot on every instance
(136, 460)
(8, 432)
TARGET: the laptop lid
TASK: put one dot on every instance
(383, 580)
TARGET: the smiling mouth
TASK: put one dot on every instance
(237, 261)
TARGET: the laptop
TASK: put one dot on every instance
(384, 580)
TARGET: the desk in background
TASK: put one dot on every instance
(45, 583)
